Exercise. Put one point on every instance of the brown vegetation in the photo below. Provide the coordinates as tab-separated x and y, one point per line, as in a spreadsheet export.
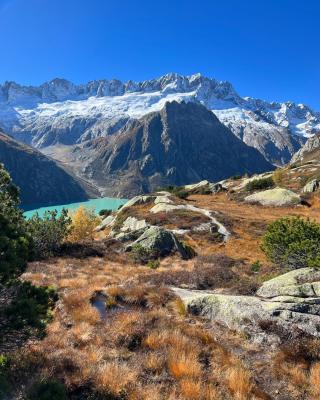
148	346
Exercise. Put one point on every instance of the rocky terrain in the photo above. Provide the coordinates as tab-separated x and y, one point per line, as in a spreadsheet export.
181	144
309	151
60	112
40	179
174	298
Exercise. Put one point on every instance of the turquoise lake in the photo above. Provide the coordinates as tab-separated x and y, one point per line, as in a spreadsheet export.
95	204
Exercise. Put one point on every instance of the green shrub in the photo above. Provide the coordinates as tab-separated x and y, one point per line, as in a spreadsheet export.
255	267
190	252
178	191
31	306
260	184
4	379
47	390
105	213
293	242
153	264
48	232
15	241
140	254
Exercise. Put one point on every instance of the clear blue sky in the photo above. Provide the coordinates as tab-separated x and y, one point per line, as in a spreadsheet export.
268	49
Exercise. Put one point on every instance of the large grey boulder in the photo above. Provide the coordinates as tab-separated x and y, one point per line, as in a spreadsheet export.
292	301
160	242
311	186
131	229
165	207
163	199
133	224
108	221
274	197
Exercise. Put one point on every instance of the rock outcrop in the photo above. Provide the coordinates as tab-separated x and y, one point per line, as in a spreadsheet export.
181	144
276	197
309	151
292	301
311	186
161	242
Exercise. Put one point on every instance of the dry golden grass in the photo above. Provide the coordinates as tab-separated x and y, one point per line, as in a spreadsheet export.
148	345
315	380
239	382
184	364
191	389
115	376
154	362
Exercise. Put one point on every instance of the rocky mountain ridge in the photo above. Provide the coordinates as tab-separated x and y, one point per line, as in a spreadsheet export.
183	143
41	180
62	112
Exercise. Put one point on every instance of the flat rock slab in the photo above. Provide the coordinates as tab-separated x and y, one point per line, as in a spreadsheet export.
245	312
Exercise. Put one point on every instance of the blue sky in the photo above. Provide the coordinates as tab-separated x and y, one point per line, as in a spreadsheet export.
267	49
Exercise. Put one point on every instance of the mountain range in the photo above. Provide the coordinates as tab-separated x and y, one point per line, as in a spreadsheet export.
128	138
60	112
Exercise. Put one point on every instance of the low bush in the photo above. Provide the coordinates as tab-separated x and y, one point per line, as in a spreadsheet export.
256	266
141	255
4	379
14	239
190	252
105	212
31	306
83	223
48	232
47	390
293	242
260	184
178	191
153	264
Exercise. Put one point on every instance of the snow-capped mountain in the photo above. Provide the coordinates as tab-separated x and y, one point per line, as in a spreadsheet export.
62	112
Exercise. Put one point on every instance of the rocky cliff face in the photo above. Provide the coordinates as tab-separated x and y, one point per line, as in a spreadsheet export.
183	143
40	179
62	112
310	151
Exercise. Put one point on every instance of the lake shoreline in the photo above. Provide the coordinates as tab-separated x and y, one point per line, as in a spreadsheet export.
97	204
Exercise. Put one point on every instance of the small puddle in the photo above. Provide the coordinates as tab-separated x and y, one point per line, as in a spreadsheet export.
99	303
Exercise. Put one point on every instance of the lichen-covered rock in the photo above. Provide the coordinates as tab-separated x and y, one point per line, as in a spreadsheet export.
200	187
303	282
130	236
133	224
138	200
291	300
311	186
161	242
165	207
163	199
218	187
245	312
275	197
108	221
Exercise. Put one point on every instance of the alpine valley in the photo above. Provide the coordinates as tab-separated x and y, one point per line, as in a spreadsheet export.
124	138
